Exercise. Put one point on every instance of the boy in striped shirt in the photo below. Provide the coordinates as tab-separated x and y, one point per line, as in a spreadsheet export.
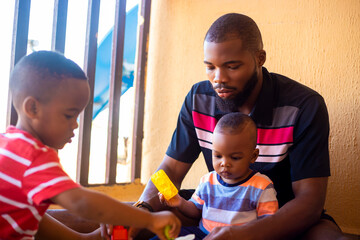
232	194
49	91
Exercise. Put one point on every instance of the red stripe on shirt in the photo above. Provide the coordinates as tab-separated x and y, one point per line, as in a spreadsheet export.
203	121
275	136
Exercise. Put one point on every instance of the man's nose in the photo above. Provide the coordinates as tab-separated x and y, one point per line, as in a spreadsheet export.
219	76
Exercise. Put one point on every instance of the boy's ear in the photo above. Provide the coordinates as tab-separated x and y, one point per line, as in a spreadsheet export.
31	107
255	155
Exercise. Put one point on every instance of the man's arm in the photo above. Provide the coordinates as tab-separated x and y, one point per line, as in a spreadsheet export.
293	218
176	171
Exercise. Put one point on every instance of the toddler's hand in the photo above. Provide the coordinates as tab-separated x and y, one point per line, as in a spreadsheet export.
161	220
172	202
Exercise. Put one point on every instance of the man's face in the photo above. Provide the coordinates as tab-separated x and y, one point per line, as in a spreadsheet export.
232	72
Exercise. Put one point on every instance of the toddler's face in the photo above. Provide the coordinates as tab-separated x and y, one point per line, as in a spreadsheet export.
232	155
57	118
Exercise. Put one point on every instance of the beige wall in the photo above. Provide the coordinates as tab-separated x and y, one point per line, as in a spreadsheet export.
314	42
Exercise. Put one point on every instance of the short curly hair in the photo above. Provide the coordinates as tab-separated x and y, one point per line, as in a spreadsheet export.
39	73
235	123
236	26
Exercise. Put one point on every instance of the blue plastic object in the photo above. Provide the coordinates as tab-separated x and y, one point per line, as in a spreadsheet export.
103	62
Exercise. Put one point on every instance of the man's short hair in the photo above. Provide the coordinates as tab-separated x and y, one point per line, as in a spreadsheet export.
236	26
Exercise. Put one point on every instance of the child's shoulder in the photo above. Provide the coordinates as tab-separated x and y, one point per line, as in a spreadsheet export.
21	143
208	177
260	180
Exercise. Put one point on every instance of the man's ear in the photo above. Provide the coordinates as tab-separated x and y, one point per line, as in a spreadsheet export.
31	107
261	57
255	155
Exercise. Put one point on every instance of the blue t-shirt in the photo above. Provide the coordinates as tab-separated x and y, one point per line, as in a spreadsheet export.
224	204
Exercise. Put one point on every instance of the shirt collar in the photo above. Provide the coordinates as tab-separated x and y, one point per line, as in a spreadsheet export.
263	110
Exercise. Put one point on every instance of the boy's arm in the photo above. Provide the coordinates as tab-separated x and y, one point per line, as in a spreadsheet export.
102	208
187	208
50	228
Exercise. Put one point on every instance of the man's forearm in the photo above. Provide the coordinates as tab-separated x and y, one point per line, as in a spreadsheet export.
150	196
291	220
176	171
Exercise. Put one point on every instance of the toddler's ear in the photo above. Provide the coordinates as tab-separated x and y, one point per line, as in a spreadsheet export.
30	107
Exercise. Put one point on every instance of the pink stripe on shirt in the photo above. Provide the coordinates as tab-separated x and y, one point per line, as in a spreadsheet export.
275	136
203	121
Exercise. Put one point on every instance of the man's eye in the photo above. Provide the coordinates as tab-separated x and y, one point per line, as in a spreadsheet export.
68	116
209	68
233	67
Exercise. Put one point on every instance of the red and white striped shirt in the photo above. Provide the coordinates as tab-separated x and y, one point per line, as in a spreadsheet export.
30	174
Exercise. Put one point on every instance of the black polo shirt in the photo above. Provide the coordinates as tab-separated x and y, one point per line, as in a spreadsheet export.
293	131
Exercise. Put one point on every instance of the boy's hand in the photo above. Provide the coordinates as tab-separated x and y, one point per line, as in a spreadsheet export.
172	202
161	220
106	231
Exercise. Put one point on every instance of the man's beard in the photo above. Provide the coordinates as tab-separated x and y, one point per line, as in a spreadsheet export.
232	105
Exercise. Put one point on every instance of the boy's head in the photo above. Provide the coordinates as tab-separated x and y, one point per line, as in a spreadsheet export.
234	147
49	91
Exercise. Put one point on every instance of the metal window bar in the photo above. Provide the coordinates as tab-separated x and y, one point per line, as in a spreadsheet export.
86	115
59	25
115	91
140	89
19	47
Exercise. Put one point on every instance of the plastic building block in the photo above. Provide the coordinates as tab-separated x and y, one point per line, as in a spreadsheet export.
163	183
166	231
119	233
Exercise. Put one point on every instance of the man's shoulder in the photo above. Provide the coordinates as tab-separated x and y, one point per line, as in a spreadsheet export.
289	92
289	86
202	87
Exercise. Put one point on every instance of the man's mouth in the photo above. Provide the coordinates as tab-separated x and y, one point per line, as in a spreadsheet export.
225	93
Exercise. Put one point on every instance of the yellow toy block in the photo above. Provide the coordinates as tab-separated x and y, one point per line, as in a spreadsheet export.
163	183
